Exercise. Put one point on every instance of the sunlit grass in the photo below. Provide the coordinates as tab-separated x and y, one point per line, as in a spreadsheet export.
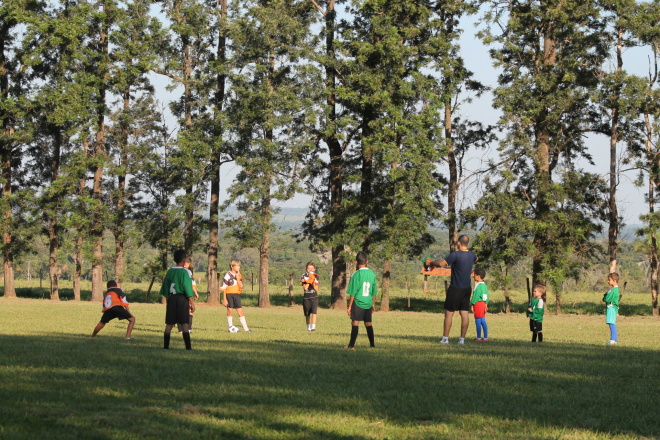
282	382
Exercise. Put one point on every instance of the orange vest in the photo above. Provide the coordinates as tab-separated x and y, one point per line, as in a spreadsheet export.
237	285
113	299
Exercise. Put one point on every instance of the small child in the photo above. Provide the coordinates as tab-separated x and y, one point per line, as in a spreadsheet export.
535	312
232	286
611	298
115	306
310	283
480	303
186	265
362	290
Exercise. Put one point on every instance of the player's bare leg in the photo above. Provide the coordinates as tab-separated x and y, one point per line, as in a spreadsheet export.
98	328
131	323
447	324
465	321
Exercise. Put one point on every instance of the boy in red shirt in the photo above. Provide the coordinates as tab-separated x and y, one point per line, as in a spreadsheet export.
480	303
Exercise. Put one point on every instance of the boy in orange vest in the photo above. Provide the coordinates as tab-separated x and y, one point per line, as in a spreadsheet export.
115	306
232	286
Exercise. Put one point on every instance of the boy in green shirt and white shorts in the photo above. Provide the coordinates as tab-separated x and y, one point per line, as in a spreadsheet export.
362	290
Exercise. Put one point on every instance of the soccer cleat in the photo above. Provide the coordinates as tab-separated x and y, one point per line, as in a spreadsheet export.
479	340
612	343
485	340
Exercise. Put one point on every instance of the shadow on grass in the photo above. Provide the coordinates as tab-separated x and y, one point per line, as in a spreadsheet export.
107	388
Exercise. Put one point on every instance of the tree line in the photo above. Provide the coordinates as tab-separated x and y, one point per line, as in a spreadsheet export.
359	107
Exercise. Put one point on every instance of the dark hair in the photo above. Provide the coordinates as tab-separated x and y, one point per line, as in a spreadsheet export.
464	240
480	272
179	255
111	283
361	259
310	263
614	276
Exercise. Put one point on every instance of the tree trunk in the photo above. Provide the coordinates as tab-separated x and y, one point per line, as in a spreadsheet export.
507	297
6	149
120	222
99	150
264	253
453	181
79	238
213	293
387	278
654	182
52	222
613	231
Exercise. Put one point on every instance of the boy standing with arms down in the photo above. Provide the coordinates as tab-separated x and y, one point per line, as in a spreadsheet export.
362	290
115	306
480	303
310	283
460	288
232	286
535	312
177	288
611	298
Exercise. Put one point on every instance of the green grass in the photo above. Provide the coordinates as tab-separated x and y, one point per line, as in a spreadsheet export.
282	382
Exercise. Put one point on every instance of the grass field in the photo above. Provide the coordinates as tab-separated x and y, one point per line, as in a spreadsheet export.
282	382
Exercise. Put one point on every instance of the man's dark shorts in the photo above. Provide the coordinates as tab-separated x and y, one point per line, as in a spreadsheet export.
458	299
115	312
310	303
535	326
234	301
360	314
178	309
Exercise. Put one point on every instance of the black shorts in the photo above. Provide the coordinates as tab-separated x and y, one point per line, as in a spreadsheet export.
115	312
178	309
458	299
360	314
234	301
310	305
535	326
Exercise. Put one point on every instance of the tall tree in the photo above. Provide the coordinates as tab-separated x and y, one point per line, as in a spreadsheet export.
132	58
14	131
270	115
550	53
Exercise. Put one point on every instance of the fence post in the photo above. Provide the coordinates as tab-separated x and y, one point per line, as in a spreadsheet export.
291	302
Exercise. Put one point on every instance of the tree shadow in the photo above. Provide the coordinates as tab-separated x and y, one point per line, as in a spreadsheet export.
108	388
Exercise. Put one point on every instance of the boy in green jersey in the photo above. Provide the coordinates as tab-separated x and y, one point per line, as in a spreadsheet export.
611	298
362	290
177	288
535	312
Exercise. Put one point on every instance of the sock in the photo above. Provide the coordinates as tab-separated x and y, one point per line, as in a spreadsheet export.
243	323
186	340
354	333
190	323
485	326
613	335
166	341
230	321
540	336
533	336
477	323
370	334
309	326
313	326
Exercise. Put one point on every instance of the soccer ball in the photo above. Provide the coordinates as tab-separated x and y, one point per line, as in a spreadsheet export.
233	329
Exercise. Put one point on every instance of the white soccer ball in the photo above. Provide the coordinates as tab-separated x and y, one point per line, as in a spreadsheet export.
233	329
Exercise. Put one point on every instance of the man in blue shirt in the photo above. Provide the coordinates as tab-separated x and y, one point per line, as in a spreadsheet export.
460	286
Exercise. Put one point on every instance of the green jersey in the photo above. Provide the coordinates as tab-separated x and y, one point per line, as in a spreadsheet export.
612	298
538	308
480	293
177	280
363	287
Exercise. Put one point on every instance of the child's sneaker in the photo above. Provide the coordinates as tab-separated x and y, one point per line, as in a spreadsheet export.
461	341
611	343
444	340
479	340
485	340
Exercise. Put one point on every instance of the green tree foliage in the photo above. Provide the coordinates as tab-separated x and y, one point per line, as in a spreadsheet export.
270	115
550	53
